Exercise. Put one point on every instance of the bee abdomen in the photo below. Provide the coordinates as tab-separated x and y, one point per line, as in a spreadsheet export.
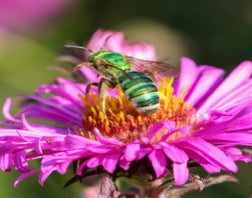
141	91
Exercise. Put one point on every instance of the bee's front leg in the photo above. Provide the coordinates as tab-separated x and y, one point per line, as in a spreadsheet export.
81	65
89	87
105	84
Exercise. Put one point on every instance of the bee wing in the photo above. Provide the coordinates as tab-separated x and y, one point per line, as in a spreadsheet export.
162	69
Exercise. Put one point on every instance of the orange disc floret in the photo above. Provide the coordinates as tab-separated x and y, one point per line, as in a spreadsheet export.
123	122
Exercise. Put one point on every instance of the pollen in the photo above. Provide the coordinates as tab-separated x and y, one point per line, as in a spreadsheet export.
122	121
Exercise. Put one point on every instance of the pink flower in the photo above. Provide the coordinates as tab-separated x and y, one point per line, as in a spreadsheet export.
203	118
20	14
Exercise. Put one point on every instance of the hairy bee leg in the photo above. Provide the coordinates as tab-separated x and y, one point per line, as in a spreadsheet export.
153	75
105	84
88	88
69	59
84	64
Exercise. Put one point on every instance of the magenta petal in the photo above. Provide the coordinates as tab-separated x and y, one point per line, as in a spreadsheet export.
131	151
98	39
238	76
70	91
26	124
47	167
236	96
241	158
24	176
80	168
90	74
76	141
210	153
99	149
158	162
94	162
143	152
64	110
102	139
37	146
20	162
62	168
65	89
6	111
188	74
208	79
6	161
233	151
169	125
181	173
50	113
175	154
117	43
46	170
123	163
208	167
237	155
43	176
203	163
110	161
229	137
15	132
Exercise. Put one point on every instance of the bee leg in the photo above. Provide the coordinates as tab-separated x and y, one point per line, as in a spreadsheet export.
105	84
88	88
84	64
151	75
69	59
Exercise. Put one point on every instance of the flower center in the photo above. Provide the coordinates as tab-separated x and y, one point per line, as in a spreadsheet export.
123	122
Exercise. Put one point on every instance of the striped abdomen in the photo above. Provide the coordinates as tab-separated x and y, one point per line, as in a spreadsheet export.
141	91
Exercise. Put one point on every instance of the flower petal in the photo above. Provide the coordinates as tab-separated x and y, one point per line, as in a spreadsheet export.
181	173
236	78
24	176
169	125
104	140
158	161
188	74
210	153
124	164
208	79
6	111
110	161
131	151
94	161
233	138
175	154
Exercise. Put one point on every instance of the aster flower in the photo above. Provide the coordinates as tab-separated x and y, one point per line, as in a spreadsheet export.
202	119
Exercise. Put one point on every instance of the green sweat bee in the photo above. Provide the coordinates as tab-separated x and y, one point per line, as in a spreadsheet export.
135	77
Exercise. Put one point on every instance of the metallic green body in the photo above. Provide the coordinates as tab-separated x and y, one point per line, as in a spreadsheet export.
141	91
103	60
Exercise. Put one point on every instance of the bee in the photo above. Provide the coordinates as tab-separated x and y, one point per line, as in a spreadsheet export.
136	77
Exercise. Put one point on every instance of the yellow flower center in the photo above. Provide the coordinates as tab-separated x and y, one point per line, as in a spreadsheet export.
123	122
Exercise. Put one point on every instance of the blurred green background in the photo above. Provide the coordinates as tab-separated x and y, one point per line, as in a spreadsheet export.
212	32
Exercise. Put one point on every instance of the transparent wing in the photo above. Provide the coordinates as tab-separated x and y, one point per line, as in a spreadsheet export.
160	68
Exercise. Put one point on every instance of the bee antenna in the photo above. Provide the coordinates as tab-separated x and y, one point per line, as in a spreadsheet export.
78	47
105	41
